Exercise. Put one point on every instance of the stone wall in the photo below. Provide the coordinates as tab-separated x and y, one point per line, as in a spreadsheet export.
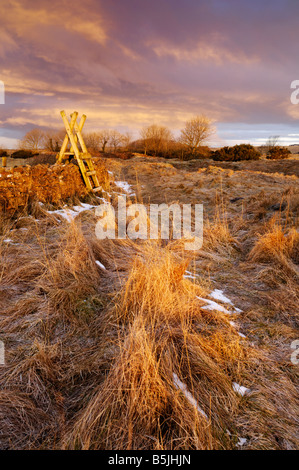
52	184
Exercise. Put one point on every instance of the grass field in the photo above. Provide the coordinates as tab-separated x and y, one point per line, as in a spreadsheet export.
121	344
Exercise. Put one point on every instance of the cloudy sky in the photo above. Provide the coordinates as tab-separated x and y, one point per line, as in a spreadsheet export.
130	63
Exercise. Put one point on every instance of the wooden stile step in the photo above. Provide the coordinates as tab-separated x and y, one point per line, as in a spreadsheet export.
78	148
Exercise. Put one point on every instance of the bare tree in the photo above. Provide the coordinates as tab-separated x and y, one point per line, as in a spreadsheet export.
271	143
33	140
155	138
53	140
195	132
93	141
104	138
116	140
126	140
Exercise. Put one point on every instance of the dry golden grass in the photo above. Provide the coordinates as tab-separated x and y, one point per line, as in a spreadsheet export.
277	245
161	332
94	356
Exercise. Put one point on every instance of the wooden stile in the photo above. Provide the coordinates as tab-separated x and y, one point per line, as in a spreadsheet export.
75	139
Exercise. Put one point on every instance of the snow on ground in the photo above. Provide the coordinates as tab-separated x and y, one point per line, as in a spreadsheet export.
125	186
241	334
241	442
211	305
234	325
8	240
100	264
69	213
240	389
183	387
217	294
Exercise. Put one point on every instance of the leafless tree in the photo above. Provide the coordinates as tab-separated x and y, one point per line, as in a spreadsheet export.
93	141
33	140
104	138
196	131
271	142
155	138
126	140
54	139
116	140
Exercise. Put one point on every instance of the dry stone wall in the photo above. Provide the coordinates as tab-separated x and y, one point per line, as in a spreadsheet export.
47	184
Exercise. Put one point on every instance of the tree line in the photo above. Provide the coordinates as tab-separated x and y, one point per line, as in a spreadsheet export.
154	139
158	140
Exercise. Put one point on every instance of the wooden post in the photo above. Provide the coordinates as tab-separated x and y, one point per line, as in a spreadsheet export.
4	159
66	139
80	127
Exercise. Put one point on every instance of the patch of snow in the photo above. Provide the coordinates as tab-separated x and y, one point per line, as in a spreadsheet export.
241	334
100	264
217	294
125	186
8	240
213	306
240	389
237	310
234	325
69	213
242	441
183	387
104	200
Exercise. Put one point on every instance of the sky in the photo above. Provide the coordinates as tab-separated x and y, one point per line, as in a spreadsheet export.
129	63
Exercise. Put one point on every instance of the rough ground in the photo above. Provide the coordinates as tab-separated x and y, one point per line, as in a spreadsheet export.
289	166
103	355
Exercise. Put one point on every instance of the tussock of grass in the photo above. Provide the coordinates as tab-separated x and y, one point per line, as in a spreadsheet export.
164	332
95	353
278	245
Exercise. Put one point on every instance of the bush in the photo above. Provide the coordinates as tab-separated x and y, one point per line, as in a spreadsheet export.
3	153
23	154
201	153
278	153
121	155
44	159
236	153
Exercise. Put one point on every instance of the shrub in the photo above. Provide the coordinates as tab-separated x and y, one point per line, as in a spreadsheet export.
278	153
236	153
223	154
23	154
